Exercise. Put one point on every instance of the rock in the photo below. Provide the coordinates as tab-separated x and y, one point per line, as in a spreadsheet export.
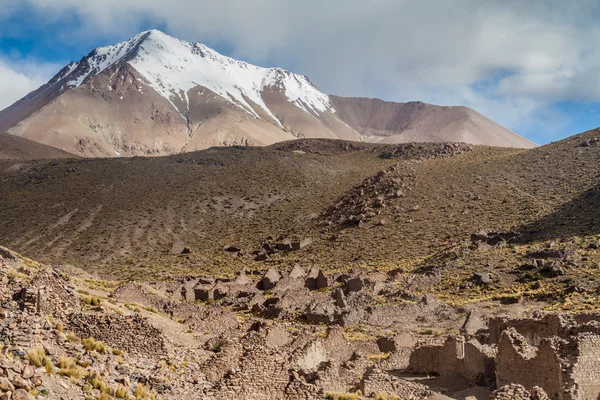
474	322
268	248
395	273
551	270
232	249
321	313
321	281
548	253
277	337
21	394
6	396
386	344
382	288
481	278
284	245
269	279
261	255
297	272
37	380
242	278
19	382
354	285
179	248
28	371
594	246
299	245
5	385
340	298
203	293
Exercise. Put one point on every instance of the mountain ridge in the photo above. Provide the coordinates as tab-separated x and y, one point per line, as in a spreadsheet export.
156	95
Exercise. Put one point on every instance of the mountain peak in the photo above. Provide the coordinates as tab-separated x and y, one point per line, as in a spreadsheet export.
156	94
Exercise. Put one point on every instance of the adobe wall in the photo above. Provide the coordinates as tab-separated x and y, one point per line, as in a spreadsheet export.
469	360
586	371
533	329
517	362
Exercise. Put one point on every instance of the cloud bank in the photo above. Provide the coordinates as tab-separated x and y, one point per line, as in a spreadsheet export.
510	60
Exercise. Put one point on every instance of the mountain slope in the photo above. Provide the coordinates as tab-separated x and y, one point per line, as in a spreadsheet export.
16	148
157	95
389	122
86	212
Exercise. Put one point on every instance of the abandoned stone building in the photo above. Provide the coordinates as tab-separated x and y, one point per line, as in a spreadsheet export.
558	353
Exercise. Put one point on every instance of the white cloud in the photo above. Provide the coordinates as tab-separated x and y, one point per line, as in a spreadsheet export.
506	59
21	77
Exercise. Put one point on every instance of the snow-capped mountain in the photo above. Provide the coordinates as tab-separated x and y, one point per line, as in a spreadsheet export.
155	94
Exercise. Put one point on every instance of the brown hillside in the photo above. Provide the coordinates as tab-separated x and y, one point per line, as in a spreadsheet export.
16	148
113	212
389	122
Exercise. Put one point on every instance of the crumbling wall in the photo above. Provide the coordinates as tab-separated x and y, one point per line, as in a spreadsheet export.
470	360
586	371
130	333
534	330
518	362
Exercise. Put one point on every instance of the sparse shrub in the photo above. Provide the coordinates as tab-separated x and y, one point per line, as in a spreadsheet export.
91	344
69	368
37	356
141	391
341	396
217	347
117	352
97	383
385	396
71	337
121	392
48	366
91	300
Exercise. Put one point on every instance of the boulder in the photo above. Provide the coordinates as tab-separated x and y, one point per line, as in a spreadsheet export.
552	269
321	312
5	384
300	244
340	298
21	394
354	285
311	278
297	272
270	279
261	255
203	292
321	281
284	245
242	278
395	273
481	278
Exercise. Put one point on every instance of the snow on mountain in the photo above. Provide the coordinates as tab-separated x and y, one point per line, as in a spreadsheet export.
173	67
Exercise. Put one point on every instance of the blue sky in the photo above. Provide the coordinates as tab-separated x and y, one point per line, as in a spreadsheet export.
530	66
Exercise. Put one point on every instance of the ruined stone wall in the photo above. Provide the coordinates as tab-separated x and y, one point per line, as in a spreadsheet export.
586	371
520	363
533	329
132	334
262	374
469	360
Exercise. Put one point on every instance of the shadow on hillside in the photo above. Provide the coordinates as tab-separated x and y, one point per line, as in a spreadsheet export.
579	217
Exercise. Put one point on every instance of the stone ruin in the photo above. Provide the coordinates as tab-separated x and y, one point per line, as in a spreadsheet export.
556	354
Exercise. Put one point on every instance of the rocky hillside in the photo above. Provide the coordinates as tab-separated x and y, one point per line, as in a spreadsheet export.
157	95
403	203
